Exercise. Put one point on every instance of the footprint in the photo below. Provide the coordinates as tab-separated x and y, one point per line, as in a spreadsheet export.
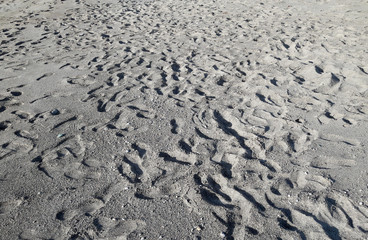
338	138
316	182
325	162
88	208
61	159
83	81
92	162
17	145
108	228
131	169
56	233
6	207
64	122
106	193
22	115
143	112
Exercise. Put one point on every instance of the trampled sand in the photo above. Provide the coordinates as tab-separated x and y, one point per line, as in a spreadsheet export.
189	119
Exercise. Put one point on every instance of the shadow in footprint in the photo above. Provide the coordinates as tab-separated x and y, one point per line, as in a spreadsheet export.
134	168
168	158
4	125
16	93
230	224
175	126
142	196
251	230
285	225
175	67
141	151
217	189
212	199
250	198
185	147
227	128
330	231
318	70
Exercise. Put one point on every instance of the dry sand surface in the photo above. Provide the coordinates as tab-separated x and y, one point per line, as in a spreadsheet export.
183	119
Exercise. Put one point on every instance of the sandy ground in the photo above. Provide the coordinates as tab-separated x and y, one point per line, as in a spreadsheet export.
193	119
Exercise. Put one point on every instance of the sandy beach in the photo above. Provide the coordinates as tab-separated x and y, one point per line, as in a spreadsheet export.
153	119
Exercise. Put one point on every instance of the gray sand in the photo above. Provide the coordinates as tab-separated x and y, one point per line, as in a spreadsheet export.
193	119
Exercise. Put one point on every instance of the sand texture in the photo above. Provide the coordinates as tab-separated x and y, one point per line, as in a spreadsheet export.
183	119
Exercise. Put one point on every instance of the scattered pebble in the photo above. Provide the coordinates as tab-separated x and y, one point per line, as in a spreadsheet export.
55	112
60	135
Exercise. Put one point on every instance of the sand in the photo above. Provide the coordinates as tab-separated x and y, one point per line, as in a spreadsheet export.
192	119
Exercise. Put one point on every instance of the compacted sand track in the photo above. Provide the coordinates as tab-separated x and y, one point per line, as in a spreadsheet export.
183	119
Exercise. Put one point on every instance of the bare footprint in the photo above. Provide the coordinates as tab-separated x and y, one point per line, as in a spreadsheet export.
6	207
